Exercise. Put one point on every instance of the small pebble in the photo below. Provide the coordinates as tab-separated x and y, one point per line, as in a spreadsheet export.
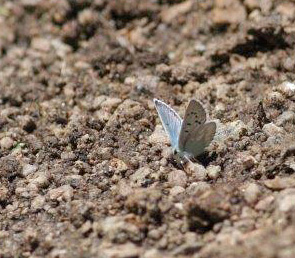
247	160
285	201
176	190
213	171
159	136
146	83
40	180
111	103
274	98
197	188
271	129
87	17
86	227
265	203
3	193
233	130
118	165
124	188
287	89
197	171
140	175
6	143
38	203
286	117
177	178
279	183
28	169
62	193
41	44
171	13
252	193
127	250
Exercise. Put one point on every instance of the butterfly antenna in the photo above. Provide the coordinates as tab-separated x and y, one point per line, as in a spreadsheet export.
189	160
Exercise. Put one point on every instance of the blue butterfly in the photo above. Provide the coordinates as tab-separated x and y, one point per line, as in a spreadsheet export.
189	137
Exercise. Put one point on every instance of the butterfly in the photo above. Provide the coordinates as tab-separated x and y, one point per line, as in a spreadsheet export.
188	137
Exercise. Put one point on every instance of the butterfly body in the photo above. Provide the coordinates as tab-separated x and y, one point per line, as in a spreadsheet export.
189	137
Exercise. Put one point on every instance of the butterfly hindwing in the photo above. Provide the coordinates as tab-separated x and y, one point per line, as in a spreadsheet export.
195	115
199	138
170	121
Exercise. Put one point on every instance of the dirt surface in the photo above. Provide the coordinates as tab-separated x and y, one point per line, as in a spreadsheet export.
85	167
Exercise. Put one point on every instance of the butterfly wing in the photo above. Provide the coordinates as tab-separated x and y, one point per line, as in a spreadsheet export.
171	121
195	115
199	138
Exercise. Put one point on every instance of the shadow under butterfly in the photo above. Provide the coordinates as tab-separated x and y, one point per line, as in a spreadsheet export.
188	137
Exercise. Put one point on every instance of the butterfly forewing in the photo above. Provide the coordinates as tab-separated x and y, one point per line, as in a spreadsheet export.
170	120
199	138
195	115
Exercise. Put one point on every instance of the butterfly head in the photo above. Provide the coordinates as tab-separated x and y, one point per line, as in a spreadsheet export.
179	157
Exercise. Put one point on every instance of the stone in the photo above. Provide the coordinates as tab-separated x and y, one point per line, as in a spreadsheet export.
286	117
188	248
61	48
9	165
104	153
38	203
111	103
176	190
86	227
29	169
213	172
117	229
41	44
271	129
287	89
279	183
285	201
146	83
74	180
232	14
39	180
246	160
159	136
222	91
6	143
3	193
251	193
62	193
118	165
30	3
287	10
265	204
124	188
140	175
197	188
127	250
252	4
152	253
177	178
198	171
87	17
233	130
274	98
170	14
97	102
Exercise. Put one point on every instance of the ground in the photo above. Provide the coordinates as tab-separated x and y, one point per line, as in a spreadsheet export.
85	166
